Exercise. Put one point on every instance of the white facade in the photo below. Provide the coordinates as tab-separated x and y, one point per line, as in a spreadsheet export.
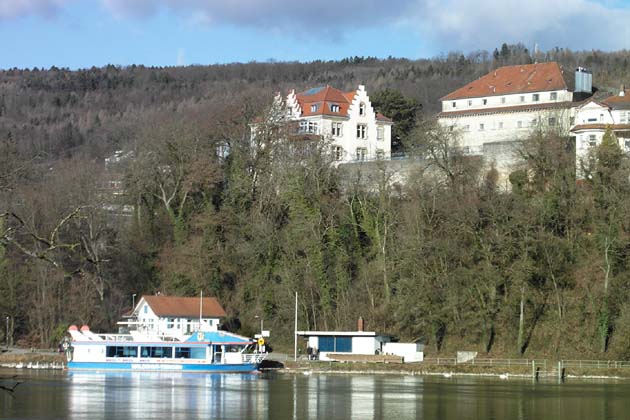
354	342
410	352
345	120
592	120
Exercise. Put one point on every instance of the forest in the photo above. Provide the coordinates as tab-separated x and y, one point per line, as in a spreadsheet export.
447	257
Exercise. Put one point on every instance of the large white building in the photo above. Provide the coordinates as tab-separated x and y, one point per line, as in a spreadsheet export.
346	121
493	113
593	118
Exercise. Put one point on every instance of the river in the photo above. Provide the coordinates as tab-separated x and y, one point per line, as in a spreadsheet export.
63	395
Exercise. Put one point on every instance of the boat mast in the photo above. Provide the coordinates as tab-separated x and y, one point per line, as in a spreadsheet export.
200	309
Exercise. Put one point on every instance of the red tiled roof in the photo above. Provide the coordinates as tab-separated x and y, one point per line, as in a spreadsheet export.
617	101
381	117
507	109
323	98
508	80
184	307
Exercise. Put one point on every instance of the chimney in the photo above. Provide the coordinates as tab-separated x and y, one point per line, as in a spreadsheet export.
360	324
622	91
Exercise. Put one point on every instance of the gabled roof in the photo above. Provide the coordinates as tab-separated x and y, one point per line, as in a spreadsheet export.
323	98
184	307
525	78
618	101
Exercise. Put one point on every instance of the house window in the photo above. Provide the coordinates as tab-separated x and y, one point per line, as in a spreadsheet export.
500	125
626	144
361	153
469	102
535	97
552	121
314	107
592	140
522	98
362	109
454	104
503	100
337	152
553	96
380	154
146	309
592	120
362	131
601	117
466	127
622	117
335	344
309	127
336	129
171	323
481	127
519	124
334	108
380	133
485	102
571	120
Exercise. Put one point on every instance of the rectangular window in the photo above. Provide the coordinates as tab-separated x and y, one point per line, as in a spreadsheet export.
361	153
626	144
380	133
380	154
361	109
157	352
336	129
552	121
470	103
592	140
314	107
500	125
337	152
481	127
622	117
122	351
334	108
485	102
519	124
335	344
592	120
362	131
466	127
454	104
182	352
535	97
522	98
503	100
553	96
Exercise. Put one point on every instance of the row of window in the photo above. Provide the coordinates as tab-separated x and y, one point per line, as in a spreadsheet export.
157	352
336	108
335	344
551	121
553	96
361	153
336	129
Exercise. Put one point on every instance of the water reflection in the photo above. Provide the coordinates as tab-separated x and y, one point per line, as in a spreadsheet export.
146	395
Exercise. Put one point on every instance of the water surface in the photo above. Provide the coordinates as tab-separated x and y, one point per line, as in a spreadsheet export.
147	395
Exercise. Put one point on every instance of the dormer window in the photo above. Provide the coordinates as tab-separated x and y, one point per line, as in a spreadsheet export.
553	96
535	97
314	107
503	100
522	98
334	108
469	102
361	109
454	104
485	102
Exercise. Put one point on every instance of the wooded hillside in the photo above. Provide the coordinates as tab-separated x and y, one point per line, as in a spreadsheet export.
452	259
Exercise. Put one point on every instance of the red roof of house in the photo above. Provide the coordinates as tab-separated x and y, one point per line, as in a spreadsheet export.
614	127
184	307
617	101
525	78
323	98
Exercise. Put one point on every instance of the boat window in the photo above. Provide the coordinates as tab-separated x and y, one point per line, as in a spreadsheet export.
157	352
122	351
198	353
182	352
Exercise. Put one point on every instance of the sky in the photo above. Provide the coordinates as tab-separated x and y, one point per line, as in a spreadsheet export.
86	33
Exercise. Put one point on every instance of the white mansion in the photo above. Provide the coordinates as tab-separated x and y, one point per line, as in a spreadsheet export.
346	120
493	113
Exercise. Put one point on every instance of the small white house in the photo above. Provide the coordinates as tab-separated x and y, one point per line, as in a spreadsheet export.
351	342
175	316
410	352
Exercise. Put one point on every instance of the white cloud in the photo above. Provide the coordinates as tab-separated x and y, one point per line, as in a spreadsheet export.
10	9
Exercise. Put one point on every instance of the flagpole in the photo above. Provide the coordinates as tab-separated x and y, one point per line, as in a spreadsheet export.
200	310
296	329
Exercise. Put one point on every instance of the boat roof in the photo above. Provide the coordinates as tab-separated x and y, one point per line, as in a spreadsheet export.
222	337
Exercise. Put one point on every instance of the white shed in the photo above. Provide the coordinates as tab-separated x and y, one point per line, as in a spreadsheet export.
351	342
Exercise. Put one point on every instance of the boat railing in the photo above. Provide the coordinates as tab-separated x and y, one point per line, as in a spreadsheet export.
116	337
254	357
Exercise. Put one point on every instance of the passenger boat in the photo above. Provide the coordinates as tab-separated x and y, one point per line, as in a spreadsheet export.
202	352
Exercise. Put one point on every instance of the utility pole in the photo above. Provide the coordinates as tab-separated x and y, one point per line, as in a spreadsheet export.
8	332
296	329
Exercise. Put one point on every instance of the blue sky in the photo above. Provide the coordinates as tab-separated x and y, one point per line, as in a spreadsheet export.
83	33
